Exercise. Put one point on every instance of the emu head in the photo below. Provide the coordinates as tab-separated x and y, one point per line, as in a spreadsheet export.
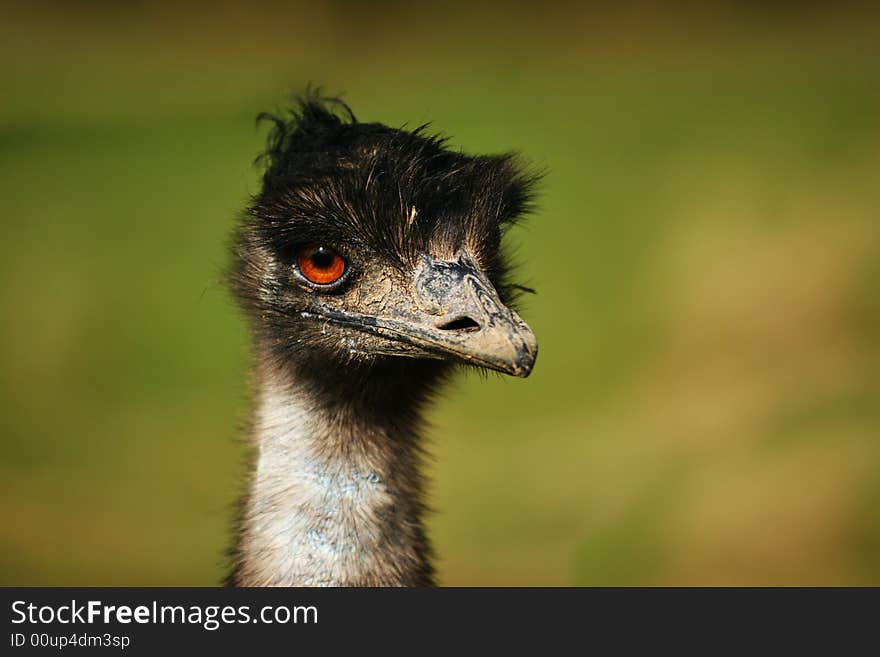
367	244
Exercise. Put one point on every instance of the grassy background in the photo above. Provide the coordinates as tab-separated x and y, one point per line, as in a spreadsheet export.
706	406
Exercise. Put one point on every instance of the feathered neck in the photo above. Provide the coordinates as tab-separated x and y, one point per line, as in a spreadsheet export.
335	497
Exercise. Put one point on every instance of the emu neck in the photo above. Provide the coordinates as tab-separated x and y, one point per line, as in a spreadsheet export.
335	498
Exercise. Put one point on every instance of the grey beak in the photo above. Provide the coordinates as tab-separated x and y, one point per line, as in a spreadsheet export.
464	317
454	311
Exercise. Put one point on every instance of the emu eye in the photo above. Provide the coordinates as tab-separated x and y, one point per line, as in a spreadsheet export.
320	265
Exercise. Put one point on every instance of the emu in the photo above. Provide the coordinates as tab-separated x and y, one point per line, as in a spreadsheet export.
368	265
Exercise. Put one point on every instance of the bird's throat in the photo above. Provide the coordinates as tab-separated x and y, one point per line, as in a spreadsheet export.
335	495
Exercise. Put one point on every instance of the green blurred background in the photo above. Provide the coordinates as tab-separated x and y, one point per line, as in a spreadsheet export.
706	406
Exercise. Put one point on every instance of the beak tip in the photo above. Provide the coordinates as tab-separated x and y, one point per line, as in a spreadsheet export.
525	363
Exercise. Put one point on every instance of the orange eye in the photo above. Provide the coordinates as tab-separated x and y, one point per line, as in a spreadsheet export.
320	265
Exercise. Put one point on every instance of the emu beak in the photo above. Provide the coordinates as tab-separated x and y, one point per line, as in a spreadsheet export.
454	311
462	316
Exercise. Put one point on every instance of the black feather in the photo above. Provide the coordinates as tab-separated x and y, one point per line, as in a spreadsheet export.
327	173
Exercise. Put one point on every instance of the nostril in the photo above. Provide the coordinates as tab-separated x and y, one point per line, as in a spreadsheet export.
463	323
